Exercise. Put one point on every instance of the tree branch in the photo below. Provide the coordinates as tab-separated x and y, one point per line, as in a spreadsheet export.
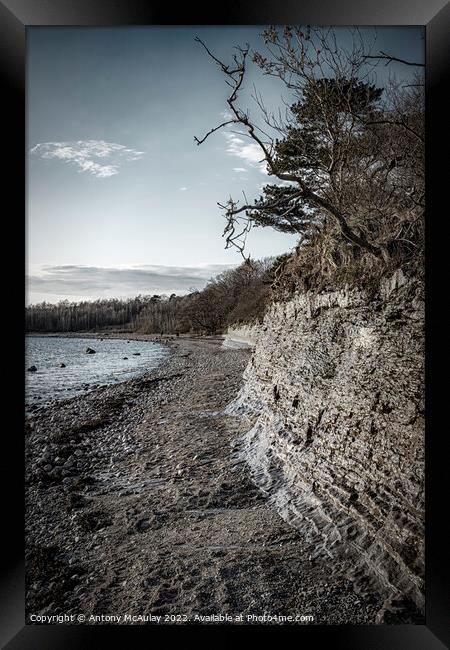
389	59
216	128
397	123
237	77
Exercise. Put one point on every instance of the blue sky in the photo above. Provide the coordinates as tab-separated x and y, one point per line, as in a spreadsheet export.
120	200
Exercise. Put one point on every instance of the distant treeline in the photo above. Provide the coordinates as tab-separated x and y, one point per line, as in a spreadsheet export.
237	295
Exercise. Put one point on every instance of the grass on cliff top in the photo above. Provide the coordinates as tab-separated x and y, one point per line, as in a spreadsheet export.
329	263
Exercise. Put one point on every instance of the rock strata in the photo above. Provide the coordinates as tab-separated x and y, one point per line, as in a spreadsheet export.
334	393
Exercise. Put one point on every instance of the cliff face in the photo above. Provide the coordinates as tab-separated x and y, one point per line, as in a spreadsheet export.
334	392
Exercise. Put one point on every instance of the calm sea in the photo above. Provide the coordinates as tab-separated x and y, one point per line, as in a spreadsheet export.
83	371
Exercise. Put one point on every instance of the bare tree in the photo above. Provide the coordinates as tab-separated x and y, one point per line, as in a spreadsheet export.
329	149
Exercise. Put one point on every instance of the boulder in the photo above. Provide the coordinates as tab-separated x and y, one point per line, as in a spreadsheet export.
62	365
32	369
89	351
136	354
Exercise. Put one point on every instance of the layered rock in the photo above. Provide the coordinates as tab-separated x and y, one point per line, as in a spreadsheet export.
335	392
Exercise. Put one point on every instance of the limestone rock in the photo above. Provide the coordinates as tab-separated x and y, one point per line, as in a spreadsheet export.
335	387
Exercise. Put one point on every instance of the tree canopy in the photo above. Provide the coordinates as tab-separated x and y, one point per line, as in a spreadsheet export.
346	156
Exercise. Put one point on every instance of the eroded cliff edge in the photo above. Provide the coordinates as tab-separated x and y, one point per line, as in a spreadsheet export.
334	392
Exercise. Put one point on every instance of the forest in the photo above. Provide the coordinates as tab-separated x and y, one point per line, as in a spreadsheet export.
236	295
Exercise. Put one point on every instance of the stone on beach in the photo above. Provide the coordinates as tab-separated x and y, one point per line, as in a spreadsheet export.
150	466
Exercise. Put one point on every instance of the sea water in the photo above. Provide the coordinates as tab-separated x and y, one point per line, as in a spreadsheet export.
114	360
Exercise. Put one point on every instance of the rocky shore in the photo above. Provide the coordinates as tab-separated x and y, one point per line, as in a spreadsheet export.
337	380
139	505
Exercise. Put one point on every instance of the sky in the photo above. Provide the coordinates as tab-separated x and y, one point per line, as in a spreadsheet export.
120	199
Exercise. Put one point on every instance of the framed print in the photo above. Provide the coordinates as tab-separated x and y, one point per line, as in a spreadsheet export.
227	417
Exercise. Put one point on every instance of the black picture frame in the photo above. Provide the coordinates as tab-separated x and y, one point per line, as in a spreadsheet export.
15	17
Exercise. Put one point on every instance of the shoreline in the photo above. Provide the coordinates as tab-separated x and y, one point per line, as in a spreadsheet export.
33	407
137	502
132	336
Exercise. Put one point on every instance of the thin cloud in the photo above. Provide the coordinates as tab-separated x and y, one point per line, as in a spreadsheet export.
108	282
239	170
183	189
246	150
99	158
